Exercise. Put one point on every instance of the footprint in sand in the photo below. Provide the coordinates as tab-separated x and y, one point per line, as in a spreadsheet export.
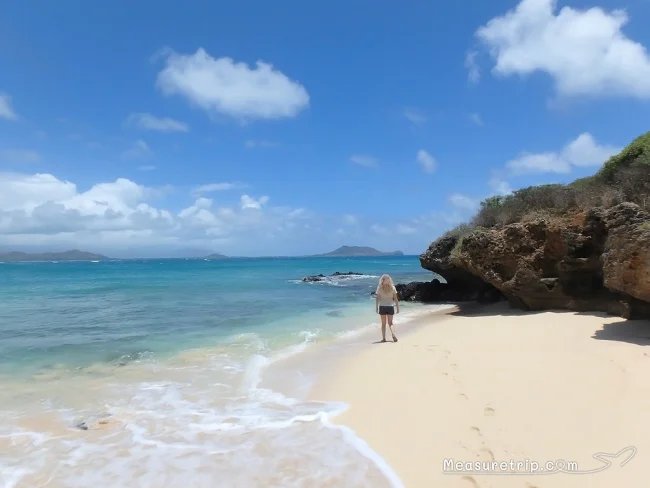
476	430
486	454
463	396
488	411
470	482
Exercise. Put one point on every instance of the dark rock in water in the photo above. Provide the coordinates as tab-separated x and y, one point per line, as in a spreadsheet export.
322	277
434	292
319	277
593	261
97	422
334	313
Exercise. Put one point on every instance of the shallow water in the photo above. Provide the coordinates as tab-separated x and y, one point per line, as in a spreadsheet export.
148	373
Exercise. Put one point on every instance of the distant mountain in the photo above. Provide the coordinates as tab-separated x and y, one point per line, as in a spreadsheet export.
359	251
216	256
73	255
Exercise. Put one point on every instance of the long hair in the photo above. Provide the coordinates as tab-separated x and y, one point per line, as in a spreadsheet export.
385	282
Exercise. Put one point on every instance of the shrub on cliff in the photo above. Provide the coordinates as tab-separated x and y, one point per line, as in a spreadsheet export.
623	178
501	210
636	155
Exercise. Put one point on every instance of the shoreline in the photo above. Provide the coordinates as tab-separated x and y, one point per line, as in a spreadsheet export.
488	383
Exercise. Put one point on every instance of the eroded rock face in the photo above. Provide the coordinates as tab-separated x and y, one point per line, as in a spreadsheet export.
594	261
461	284
626	257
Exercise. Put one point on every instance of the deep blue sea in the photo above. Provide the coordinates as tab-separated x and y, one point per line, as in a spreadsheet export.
149	373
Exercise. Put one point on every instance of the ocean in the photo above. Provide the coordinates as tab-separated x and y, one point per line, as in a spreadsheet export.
150	373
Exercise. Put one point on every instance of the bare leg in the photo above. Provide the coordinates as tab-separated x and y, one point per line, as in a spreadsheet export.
383	328
390	325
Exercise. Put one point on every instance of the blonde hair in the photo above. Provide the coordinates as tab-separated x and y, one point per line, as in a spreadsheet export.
386	282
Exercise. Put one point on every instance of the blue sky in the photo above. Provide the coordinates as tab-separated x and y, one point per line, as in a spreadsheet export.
257	128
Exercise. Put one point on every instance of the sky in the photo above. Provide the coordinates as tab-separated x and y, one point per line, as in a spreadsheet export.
258	128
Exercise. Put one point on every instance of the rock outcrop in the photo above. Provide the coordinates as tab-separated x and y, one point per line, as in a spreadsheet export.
461	284
337	274
435	291
598	260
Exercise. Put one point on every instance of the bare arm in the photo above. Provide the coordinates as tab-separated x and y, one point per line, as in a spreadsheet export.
376	302
396	300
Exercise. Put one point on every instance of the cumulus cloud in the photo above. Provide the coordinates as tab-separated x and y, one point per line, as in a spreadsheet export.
364	160
582	151
6	111
147	121
41	209
248	202
426	161
226	87
585	51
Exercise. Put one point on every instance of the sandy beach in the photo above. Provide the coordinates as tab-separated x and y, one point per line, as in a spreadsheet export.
494	384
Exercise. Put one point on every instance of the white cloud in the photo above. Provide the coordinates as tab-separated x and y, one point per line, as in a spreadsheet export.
223	86
139	150
161	124
473	70
213	187
42	210
499	186
463	202
415	116
364	160
476	119
584	51
6	111
405	229
426	161
259	143
350	219
582	151
19	156
248	202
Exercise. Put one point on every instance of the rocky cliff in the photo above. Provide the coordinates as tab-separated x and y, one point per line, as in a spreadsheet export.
576	247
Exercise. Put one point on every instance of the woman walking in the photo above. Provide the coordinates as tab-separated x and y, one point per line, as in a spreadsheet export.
387	304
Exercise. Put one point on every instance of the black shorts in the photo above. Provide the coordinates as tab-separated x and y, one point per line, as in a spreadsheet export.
386	310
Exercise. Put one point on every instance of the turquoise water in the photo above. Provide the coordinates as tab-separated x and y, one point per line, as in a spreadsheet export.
75	313
152	372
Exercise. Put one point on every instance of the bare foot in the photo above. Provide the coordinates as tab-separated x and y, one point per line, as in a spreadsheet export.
394	339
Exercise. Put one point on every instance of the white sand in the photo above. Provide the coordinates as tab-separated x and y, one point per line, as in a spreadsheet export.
502	386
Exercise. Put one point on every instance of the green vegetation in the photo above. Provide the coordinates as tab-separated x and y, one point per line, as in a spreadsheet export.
624	177
636	154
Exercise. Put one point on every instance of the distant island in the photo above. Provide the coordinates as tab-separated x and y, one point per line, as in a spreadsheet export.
73	255
349	251
215	257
